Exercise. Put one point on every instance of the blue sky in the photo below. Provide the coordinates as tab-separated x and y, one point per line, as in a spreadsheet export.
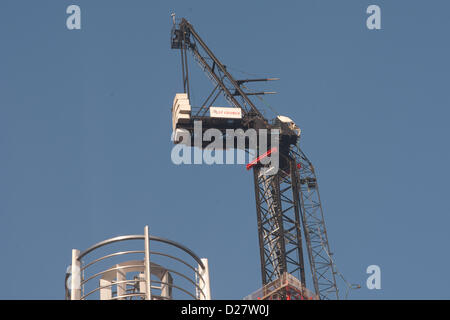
85	130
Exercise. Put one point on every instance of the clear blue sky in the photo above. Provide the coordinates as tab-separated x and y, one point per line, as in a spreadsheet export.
85	130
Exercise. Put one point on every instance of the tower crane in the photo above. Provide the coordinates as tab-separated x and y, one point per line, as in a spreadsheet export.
288	206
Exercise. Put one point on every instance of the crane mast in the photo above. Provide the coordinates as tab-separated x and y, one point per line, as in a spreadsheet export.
288	207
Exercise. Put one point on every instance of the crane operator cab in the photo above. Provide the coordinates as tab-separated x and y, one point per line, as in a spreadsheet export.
289	131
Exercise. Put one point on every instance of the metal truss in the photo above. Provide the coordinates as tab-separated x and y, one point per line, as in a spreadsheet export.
184	37
282	200
278	208
319	254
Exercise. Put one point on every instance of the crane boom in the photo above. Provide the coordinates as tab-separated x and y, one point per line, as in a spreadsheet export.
181	39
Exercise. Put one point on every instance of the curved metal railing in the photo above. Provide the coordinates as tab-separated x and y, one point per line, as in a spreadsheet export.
98	273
